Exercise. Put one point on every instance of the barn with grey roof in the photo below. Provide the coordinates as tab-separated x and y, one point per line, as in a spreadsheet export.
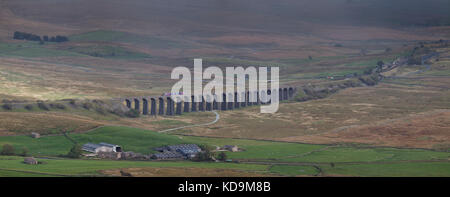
177	151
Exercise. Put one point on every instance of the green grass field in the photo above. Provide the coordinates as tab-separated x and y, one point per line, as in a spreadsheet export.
265	153
130	139
72	167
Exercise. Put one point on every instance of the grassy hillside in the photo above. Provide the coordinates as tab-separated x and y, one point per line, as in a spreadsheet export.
23	123
124	37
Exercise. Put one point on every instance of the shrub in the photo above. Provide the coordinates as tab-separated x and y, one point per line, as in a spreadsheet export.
205	155
380	63
98	101
26	36
133	113
222	156
100	110
72	102
368	71
7	106
43	106
414	61
58	106
29	107
87	105
118	112
369	80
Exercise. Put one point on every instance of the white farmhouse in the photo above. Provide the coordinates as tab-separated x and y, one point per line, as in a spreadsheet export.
101	147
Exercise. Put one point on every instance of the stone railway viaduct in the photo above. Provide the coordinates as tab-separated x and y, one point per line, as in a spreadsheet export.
153	106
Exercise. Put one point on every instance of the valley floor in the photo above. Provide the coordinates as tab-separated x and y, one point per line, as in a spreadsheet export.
260	158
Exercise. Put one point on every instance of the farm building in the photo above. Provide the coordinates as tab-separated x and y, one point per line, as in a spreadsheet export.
167	156
175	151
30	160
101	147
187	150
35	135
231	148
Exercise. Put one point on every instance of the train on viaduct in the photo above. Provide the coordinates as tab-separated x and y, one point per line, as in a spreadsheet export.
154	106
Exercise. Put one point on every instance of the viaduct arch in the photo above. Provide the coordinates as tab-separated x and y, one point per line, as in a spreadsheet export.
165	106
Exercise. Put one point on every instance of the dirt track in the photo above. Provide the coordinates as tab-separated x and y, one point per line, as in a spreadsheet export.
195	125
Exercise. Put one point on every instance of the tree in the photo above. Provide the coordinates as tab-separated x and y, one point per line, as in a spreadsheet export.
88	105
7	106
17	36
368	71
7	150
75	151
29	107
222	156
42	106
380	63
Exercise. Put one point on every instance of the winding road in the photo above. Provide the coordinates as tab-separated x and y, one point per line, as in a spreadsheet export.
195	125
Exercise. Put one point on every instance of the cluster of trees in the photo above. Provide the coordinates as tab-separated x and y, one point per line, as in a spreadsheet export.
207	154
57	38
8	149
26	36
32	37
